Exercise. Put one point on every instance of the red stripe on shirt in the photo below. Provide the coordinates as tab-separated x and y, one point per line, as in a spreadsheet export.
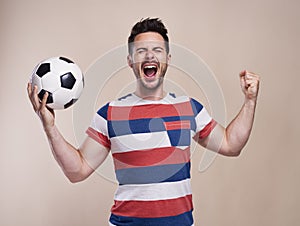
99	137
151	157
153	209
183	124
207	129
149	111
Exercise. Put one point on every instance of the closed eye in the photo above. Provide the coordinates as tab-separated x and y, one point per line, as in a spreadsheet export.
141	50
158	49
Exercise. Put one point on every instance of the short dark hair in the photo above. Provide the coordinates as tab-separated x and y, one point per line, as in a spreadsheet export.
146	25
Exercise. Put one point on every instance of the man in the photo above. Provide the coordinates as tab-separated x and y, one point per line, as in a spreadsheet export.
149	133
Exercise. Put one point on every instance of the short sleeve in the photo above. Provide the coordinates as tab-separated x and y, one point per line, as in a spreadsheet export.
98	127
204	122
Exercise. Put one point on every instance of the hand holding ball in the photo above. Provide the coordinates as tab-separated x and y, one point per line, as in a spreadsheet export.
61	78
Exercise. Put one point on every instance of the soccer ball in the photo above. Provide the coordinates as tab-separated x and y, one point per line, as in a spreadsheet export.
61	78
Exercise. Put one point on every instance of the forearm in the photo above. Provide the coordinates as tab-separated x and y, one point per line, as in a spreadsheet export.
238	131
67	156
230	141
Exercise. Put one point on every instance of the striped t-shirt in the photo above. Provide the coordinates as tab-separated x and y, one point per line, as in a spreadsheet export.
150	144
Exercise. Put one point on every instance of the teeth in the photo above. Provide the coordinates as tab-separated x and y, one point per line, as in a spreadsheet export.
150	67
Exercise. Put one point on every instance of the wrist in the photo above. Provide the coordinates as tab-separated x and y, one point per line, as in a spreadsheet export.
250	102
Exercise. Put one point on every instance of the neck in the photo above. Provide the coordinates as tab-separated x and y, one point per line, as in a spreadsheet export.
149	94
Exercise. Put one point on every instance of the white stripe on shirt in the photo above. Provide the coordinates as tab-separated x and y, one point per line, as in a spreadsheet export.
152	192
139	141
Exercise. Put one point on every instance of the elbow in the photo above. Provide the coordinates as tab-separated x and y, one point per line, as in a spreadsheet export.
75	177
78	175
229	152
234	153
74	180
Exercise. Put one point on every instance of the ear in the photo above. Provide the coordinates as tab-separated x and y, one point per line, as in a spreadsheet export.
129	61
168	58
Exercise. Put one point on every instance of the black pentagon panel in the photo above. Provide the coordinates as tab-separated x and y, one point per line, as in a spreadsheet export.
70	103
67	80
82	80
43	69
41	95
67	60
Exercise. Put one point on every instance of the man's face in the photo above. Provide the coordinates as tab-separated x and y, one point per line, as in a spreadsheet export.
149	59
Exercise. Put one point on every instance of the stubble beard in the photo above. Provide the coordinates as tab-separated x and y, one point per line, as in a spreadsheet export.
154	85
151	87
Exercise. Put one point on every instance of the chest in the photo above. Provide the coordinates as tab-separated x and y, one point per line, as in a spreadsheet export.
150	126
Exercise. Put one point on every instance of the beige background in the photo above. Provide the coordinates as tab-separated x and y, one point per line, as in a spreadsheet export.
261	187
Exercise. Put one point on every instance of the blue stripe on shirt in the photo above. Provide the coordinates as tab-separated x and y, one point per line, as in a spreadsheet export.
154	174
196	106
185	219
126	127
103	111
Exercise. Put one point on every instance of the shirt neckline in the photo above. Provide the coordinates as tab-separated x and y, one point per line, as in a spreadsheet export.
163	100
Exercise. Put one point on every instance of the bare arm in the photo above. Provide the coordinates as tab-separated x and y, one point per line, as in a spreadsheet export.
230	141
77	164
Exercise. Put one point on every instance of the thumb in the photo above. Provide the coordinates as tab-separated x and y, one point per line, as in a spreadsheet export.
243	73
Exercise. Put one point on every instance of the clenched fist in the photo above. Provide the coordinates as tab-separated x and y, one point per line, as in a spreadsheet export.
249	84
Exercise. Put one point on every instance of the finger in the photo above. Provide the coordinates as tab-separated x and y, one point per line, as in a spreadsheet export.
252	79
30	95
245	77
251	75
248	73
252	84
34	95
35	99
44	101
243	81
29	89
249	80
249	83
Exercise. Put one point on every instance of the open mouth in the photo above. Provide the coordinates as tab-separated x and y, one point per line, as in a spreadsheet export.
150	69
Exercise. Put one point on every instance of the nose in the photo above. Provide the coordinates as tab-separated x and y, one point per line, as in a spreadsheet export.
149	55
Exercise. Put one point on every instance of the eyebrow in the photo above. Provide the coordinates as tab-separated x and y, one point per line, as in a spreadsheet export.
154	48
141	48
